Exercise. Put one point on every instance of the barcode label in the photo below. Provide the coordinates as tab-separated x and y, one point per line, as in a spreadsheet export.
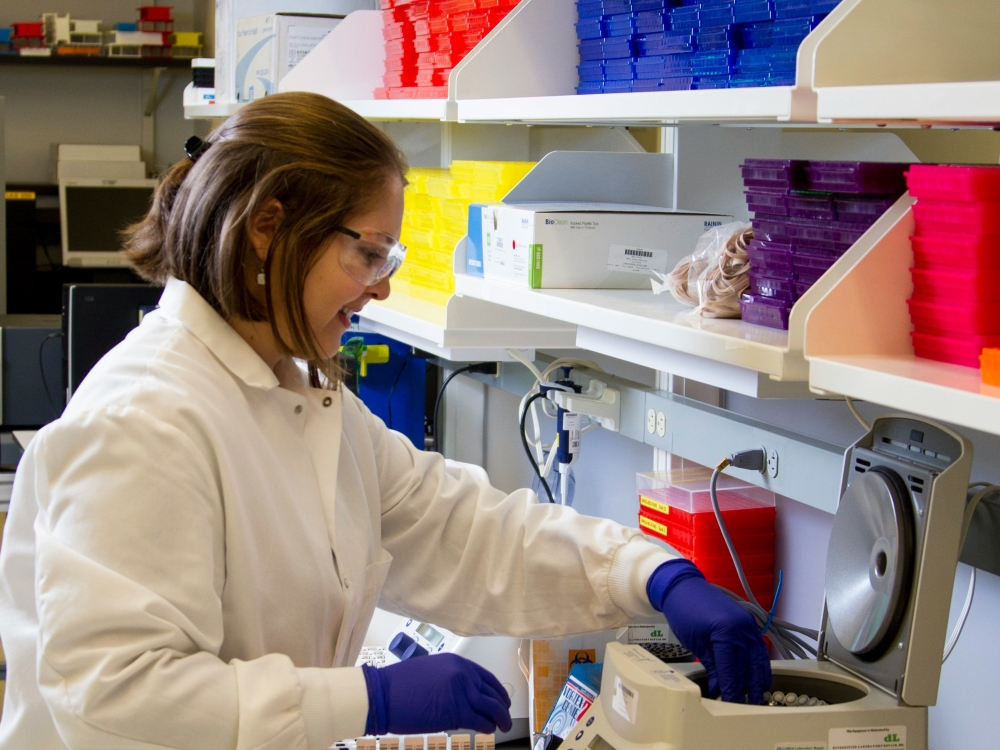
636	259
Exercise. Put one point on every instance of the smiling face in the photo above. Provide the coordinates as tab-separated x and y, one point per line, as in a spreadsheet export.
331	295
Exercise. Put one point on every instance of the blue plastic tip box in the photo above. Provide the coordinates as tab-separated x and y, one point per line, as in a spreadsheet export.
710	82
617	48
591	71
619	70
591	49
759	10
792	8
667	43
617	87
591	29
639	6
685	17
596	8
590	87
620	25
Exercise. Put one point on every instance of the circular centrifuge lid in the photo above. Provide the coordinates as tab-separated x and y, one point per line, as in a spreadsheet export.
869	565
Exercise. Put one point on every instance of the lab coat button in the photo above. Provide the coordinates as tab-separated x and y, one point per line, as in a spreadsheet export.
298	409
327	401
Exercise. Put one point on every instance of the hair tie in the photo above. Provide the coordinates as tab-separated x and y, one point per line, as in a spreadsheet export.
194	147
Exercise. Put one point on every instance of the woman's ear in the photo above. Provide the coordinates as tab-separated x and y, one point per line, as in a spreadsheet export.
262	226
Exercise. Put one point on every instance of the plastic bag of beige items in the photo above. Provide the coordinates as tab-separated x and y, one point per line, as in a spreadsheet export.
714	276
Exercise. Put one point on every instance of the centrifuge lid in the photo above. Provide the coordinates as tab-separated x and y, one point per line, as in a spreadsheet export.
870	563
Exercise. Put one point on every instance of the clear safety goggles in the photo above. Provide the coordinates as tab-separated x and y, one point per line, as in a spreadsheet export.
369	256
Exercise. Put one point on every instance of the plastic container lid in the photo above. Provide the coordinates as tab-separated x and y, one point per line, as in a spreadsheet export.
773	285
774	203
962	285
955	216
764	311
687	489
861	208
857	177
959	250
812	262
953	319
811	206
787	173
964	351
949	182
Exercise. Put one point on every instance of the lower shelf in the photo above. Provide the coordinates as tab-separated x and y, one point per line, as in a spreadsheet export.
464	329
950	393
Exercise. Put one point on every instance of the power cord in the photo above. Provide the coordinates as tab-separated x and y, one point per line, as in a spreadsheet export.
783	634
524	441
857	415
395	382
41	370
486	368
983	492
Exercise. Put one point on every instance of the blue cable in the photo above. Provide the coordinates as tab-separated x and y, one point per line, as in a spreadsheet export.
774	605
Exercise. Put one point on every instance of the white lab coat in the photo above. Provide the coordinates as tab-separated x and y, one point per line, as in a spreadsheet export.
166	576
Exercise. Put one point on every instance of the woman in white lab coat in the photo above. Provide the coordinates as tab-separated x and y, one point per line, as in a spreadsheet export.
195	548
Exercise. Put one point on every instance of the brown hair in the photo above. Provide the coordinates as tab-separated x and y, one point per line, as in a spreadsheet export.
322	162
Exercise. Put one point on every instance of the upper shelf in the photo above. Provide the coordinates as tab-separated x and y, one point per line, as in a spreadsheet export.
93	61
880	61
961	103
858	344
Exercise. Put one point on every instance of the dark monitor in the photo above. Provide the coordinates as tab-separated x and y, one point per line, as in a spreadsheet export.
93	213
96	317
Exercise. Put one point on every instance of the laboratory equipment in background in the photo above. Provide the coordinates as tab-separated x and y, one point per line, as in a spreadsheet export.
31	369
890	568
94	162
806	215
499	654
94	212
230	13
201	90
582	245
956	274
96	317
269	46
391	379
652	45
675	506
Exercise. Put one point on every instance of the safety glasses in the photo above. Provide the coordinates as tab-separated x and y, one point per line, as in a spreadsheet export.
369	256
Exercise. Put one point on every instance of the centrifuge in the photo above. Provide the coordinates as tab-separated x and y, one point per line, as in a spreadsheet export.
890	569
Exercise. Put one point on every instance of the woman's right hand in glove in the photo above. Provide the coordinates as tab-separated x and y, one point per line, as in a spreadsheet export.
435	693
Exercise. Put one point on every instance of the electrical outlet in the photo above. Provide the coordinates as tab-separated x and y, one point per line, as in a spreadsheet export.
772	463
651	421
661	424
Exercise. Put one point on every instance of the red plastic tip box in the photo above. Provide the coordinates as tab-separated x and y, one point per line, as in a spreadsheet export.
30	29
952	182
676	507
155	12
990	361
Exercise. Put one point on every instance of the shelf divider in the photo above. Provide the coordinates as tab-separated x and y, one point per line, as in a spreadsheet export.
858	343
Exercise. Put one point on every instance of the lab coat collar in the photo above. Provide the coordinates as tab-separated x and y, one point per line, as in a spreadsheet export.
181	301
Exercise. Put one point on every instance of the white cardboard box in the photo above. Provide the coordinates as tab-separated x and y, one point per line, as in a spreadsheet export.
586	245
84	152
121	170
267	47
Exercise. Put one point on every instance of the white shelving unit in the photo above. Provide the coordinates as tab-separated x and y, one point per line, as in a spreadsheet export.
858	343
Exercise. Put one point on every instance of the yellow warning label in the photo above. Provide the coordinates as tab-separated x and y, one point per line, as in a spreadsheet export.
648	502
19	195
659	528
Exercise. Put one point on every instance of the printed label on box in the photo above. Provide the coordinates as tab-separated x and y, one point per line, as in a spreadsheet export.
800	746
301	40
636	259
625	701
868	738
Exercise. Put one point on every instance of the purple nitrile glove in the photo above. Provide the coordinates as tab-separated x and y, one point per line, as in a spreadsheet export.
435	694
716	629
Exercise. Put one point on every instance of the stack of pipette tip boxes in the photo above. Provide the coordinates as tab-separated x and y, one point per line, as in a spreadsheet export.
676	507
425	39
436	216
956	271
666	45
806	215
